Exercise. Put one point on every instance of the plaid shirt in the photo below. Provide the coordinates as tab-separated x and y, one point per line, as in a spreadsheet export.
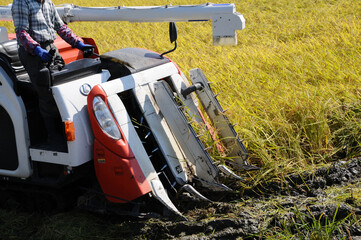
37	22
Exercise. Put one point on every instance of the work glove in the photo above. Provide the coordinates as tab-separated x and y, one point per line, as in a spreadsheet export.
43	54
82	46
87	49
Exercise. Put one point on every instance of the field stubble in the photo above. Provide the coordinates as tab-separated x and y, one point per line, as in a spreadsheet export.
291	84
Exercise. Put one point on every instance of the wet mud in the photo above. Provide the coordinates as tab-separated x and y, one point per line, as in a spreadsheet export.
324	196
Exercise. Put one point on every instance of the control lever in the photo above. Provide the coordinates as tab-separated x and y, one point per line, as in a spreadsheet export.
46	73
52	53
89	52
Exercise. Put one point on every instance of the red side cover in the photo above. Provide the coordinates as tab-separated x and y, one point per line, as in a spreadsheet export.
116	168
120	178
68	53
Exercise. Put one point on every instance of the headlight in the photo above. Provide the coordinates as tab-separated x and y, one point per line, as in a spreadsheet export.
105	118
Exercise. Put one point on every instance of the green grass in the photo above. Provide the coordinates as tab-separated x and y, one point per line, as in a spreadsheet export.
307	226
292	84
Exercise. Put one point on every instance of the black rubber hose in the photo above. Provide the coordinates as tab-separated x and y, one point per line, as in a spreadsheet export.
189	90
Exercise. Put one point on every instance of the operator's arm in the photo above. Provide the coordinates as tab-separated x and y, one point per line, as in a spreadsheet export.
20	14
67	34
63	30
75	41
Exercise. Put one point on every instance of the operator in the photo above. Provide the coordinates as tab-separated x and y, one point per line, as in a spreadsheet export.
36	24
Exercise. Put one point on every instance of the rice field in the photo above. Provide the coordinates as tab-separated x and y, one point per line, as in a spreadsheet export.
291	84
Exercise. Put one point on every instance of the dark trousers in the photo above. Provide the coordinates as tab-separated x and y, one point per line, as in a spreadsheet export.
48	110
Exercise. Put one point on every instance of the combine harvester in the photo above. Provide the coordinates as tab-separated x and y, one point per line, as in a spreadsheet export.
129	146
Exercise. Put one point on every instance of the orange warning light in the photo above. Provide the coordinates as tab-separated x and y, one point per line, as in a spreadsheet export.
69	131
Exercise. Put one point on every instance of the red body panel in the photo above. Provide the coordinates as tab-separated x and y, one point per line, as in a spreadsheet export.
68	53
119	147
117	170
118	177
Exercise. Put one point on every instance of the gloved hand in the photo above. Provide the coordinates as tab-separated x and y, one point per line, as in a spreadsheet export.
87	49
82	46
43	54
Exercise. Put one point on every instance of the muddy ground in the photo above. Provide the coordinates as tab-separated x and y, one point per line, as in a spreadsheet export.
304	205
324	196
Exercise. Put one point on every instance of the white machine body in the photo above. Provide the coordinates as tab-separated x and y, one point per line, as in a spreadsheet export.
140	95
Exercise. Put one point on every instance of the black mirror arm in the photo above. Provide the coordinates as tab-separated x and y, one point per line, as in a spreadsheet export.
173	37
175	47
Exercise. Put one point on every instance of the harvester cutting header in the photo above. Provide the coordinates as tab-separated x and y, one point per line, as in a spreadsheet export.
127	119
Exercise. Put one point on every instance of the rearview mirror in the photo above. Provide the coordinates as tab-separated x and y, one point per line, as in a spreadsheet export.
173	32
173	37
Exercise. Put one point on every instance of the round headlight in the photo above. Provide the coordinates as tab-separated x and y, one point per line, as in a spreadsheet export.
105	118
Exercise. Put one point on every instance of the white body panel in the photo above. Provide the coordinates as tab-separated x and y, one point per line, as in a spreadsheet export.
15	107
139	79
72	106
3	34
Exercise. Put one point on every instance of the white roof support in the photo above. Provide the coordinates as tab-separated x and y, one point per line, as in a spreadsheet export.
225	20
